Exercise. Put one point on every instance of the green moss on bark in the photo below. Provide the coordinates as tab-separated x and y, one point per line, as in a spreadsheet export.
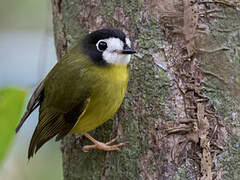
147	104
145	100
221	65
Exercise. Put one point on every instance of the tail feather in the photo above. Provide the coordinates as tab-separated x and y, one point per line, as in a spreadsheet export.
44	133
33	103
25	116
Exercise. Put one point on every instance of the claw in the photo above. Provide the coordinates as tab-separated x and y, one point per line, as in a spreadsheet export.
102	146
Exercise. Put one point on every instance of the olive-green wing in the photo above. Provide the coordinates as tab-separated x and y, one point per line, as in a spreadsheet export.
54	123
62	97
65	96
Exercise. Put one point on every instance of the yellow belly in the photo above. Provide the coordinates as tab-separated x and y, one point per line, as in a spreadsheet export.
106	97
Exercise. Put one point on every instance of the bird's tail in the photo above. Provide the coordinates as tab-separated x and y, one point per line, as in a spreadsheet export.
33	103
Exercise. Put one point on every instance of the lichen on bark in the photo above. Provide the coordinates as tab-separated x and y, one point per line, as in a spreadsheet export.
221	64
182	104
135	122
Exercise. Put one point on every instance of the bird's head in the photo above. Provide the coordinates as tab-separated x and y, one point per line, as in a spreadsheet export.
108	46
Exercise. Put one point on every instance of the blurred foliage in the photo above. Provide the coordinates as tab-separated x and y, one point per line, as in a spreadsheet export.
11	104
24	14
16	19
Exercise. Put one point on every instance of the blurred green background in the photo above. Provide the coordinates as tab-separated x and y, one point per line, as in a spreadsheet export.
27	53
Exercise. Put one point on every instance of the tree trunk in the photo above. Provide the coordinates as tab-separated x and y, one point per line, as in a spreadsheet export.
181	114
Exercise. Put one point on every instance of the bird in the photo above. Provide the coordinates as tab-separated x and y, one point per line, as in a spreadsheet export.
82	91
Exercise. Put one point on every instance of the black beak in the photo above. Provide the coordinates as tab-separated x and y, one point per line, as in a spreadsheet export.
128	50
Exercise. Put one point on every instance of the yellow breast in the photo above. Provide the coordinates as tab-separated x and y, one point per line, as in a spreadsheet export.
106	96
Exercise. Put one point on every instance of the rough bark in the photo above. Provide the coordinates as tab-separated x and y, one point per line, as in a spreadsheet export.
181	114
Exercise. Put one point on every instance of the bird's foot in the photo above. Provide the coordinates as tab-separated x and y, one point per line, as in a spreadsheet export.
102	146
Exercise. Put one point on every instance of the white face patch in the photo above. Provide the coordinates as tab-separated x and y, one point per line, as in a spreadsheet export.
113	53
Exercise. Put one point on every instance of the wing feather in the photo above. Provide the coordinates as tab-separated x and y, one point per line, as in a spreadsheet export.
62	100
33	103
52	124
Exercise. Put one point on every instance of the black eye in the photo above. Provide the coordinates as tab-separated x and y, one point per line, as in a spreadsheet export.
101	46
